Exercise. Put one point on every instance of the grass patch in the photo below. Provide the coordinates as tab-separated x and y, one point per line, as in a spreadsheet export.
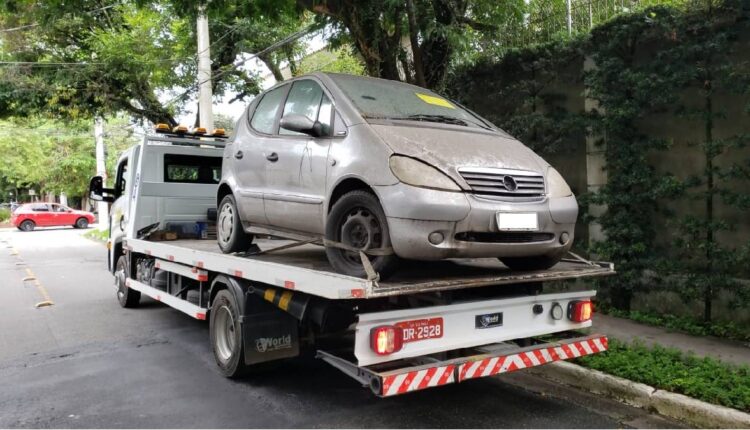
97	235
669	369
4	215
728	330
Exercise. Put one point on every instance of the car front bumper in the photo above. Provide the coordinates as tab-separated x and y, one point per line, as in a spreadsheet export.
468	224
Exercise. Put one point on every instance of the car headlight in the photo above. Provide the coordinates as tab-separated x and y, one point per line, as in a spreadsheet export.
414	172
556	185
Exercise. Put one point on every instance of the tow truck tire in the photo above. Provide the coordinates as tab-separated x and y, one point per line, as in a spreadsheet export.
226	335
128	297
27	225
230	234
357	219
542	262
81	223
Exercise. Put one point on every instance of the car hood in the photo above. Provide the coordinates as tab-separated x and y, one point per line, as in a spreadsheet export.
449	148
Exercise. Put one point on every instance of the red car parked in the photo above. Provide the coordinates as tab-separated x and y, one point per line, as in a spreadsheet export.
31	215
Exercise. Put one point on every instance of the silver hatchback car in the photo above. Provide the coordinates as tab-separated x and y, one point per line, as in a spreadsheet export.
391	168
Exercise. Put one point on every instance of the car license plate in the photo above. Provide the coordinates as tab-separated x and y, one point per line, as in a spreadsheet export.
416	330
517	221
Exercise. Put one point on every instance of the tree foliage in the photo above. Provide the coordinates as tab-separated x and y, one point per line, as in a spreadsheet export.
413	40
54	157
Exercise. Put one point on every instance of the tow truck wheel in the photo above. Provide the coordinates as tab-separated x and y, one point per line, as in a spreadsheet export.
230	234
127	297
226	335
27	225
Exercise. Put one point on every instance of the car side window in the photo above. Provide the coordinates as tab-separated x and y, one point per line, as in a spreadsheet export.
264	117
40	207
305	98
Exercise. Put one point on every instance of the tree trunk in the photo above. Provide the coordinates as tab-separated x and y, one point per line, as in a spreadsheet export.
710	153
273	67
416	51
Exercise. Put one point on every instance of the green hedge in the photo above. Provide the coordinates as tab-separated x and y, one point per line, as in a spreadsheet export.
4	215
705	379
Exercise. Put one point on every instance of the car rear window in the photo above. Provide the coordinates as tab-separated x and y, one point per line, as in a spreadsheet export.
192	169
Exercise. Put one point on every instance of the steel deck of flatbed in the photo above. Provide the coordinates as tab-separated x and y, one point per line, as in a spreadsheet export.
305	268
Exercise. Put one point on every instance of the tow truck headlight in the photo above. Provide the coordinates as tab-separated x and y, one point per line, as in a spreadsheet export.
386	339
557	187
580	310
414	172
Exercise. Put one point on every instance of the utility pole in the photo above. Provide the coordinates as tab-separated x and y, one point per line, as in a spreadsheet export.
101	170
205	110
570	17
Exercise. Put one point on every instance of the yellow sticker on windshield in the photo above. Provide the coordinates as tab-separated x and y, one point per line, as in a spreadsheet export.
437	101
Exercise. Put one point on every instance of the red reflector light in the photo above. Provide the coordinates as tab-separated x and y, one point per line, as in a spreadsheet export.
386	339
580	310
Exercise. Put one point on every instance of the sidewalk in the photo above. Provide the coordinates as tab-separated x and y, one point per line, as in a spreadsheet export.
703	346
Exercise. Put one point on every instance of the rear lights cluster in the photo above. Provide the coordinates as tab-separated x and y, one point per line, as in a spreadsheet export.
580	310
386	339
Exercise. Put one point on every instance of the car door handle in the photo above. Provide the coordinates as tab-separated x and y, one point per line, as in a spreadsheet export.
272	157
238	155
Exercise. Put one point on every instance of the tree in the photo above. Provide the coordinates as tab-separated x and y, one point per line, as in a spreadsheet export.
707	54
54	156
338	60
413	40
627	91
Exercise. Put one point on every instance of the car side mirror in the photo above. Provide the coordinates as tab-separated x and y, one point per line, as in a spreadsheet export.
97	191
301	124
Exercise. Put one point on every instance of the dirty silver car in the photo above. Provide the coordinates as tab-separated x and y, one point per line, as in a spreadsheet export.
391	168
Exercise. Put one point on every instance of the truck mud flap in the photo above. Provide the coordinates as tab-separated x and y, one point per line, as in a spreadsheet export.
405	376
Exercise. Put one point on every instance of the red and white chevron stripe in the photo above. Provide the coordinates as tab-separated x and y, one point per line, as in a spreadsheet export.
536	357
418	380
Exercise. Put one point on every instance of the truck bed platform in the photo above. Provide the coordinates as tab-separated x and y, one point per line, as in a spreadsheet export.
305	268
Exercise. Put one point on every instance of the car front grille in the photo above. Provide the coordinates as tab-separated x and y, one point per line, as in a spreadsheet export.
504	184
505	237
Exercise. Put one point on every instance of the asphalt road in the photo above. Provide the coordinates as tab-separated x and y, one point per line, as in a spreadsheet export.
86	362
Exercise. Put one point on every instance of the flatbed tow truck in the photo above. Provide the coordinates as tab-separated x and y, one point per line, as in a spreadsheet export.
432	324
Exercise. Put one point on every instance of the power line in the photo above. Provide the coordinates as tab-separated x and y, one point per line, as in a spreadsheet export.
291	38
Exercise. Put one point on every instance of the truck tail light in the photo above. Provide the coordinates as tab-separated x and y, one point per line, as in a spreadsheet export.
386	339
580	310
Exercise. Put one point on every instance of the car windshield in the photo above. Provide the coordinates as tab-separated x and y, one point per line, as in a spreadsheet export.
382	99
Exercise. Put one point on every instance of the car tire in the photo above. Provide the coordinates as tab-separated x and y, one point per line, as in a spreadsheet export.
128	297
226	335
27	225
229	232
355	215
542	262
81	223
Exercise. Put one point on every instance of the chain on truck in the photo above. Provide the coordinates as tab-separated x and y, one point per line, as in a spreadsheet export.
433	324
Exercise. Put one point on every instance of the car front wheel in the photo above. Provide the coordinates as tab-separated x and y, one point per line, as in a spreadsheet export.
230	234
357	220
27	225
81	223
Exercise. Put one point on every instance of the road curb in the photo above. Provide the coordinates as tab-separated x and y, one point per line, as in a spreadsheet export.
691	411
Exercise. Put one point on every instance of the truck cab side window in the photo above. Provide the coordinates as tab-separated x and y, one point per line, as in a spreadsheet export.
121	178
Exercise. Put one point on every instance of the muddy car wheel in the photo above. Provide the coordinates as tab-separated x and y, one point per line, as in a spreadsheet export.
358	220
542	262
229	232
